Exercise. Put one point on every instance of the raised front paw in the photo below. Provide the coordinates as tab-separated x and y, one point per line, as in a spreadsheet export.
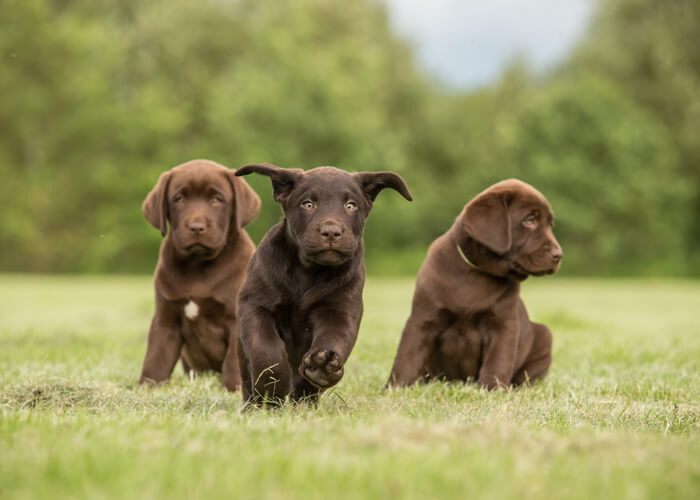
322	368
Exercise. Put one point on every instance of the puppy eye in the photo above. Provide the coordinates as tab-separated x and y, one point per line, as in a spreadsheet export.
179	198
530	221
308	204
217	199
351	206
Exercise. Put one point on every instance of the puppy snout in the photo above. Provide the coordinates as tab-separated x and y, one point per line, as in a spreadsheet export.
197	226
331	231
557	254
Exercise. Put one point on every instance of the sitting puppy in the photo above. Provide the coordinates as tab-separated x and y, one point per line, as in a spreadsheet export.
468	320
202	265
300	307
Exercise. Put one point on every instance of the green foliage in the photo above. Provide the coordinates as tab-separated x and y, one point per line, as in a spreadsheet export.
600	159
651	52
616	417
97	98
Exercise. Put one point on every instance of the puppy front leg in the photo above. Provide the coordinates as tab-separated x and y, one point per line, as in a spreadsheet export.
499	358
416	345
334	335
540	357
268	370
163	350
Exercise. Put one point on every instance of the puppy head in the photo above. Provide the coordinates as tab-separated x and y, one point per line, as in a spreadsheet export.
204	203
514	221
326	207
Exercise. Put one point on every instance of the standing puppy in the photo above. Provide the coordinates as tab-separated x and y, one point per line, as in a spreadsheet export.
468	320
301	304
202	265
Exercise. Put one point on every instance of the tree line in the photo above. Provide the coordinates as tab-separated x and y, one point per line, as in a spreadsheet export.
98	97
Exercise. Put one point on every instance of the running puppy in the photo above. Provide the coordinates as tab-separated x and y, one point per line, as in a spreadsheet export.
300	307
468	320
202	265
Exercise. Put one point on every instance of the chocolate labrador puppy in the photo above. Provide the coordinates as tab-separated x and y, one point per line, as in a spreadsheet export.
468	320
202	265
300	307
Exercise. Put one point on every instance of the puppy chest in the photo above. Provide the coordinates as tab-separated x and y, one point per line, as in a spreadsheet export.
474	327
293	326
197	310
191	310
203	323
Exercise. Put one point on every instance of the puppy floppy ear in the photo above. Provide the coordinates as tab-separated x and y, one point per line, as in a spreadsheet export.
246	203
155	206
372	183
486	219
283	179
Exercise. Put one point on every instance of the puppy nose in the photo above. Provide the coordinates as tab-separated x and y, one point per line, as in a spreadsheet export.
197	226
331	232
557	254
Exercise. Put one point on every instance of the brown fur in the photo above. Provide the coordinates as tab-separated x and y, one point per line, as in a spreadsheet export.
467	320
203	259
301	304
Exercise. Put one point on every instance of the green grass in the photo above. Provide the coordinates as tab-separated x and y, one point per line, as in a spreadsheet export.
616	418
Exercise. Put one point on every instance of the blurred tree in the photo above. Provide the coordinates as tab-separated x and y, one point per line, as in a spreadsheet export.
599	158
98	97
651	51
610	137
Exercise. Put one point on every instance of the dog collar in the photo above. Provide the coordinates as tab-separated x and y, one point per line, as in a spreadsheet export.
464	257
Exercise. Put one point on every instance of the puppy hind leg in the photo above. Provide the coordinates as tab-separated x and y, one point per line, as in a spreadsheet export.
540	358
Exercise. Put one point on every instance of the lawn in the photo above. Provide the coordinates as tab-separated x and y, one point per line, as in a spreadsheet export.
616	418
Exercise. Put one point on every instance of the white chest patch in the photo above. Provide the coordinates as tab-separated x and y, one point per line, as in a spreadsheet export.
191	310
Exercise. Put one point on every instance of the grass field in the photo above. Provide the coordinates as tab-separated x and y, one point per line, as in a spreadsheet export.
616	418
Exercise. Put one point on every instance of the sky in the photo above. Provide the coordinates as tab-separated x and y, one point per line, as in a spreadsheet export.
467	43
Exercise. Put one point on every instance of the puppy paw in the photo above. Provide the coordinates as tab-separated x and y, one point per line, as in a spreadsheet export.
323	369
